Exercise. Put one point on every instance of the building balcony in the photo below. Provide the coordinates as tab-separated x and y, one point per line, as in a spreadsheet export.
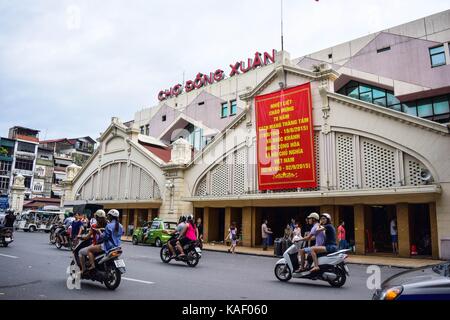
25	153
6	158
26	138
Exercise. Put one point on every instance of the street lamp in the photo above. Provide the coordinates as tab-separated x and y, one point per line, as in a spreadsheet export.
170	185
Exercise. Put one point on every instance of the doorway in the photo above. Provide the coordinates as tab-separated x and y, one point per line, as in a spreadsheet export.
378	234
420	228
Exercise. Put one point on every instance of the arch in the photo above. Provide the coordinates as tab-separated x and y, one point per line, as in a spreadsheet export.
118	176
392	144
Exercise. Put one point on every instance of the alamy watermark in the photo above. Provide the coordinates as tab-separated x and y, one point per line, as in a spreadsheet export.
374	280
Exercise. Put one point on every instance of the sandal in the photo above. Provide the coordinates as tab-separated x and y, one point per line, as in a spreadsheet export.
315	269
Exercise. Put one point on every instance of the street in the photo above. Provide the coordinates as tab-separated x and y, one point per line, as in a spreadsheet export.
31	268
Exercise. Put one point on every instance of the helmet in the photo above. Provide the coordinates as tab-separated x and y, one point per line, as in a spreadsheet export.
190	217
10	211
314	215
326	215
100	213
182	219
114	213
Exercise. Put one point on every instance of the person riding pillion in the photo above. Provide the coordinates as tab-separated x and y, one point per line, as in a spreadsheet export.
111	239
188	234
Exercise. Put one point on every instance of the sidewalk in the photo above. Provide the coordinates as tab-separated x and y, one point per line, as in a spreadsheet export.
352	258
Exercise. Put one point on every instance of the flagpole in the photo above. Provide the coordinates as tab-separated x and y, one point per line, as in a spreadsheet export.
282	42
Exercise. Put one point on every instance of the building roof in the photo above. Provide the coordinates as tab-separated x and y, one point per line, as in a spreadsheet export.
55	141
41	202
71	141
25	128
164	153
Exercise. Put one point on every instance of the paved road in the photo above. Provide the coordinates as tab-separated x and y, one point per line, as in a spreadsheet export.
30	268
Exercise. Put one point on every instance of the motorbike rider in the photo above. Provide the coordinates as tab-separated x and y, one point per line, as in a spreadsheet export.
95	233
329	245
111	238
188	234
316	234
10	218
67	223
173	242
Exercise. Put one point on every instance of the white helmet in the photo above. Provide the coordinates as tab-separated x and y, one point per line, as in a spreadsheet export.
100	213
190	217
114	213
326	215
314	215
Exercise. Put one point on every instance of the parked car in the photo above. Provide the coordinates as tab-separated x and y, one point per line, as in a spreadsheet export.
158	232
427	283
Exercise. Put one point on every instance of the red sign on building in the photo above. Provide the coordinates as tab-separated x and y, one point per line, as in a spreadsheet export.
285	143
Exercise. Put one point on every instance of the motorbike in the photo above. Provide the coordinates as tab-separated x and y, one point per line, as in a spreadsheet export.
55	229
70	244
332	266
192	250
108	267
6	236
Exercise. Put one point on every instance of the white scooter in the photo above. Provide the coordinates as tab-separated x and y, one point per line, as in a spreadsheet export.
332	266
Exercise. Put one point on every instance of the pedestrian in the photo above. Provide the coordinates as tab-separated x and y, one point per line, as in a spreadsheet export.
341	236
200	229
232	235
394	235
292	224
288	232
265	234
297	231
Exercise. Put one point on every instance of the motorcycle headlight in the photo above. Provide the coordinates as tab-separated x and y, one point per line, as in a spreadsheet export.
392	293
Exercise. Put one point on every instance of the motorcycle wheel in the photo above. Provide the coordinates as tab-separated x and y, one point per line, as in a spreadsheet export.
164	254
192	259
340	280
58	244
52	237
158	242
5	244
113	277
282	272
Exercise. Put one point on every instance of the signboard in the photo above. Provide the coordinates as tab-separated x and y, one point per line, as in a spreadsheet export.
202	80
285	140
4	204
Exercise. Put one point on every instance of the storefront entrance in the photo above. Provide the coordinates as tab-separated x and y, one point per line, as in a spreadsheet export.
378	235
279	218
420	229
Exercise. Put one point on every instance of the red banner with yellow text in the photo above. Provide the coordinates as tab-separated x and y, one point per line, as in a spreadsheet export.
285	140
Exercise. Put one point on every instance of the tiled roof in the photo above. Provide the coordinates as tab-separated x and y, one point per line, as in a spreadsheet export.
164	153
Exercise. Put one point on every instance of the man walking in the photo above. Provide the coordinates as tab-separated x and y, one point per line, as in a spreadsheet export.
341	236
265	234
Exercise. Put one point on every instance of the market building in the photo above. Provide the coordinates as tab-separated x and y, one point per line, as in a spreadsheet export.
365	137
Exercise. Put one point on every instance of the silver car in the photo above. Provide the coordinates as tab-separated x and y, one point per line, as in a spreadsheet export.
427	283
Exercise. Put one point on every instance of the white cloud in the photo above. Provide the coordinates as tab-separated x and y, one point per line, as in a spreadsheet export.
69	66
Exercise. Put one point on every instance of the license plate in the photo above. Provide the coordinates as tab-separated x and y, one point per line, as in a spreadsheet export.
198	250
346	268
8	239
119	263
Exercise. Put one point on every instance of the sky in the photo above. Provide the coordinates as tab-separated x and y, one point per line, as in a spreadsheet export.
67	67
